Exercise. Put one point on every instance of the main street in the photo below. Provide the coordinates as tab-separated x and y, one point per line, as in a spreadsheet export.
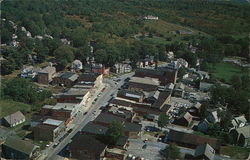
107	94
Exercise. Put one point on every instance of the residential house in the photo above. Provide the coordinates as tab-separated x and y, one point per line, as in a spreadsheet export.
179	90
143	84
165	75
203	74
15	148
29	72
51	127
185	120
99	68
203	126
213	116
86	147
239	121
132	130
162	100
137	96
150	17
191	140
46	74
67	79
241	136
148	61
13	119
195	109
121	68
76	65
125	113
105	119
204	152
94	129
65	41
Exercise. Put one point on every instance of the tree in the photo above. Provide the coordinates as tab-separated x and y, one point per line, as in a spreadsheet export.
163	120
7	67
64	55
114	132
225	119
172	152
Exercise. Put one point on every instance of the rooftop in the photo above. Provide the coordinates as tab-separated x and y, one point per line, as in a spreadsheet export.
15	117
145	80
20	145
52	122
94	128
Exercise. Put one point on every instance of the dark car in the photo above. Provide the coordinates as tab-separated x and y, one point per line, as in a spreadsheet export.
144	146
151	129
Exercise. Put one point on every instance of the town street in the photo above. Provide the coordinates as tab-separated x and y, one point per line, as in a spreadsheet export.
110	90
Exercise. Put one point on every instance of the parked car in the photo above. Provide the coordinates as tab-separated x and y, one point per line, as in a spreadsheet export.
144	146
151	129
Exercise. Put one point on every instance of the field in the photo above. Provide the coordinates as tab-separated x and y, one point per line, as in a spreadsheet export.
225	71
9	106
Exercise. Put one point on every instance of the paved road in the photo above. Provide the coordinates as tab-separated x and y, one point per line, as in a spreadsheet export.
111	89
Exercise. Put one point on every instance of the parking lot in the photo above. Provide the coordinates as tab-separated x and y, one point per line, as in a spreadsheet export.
151	152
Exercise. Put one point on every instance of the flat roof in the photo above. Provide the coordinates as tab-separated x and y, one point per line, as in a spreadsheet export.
145	80
52	122
58	106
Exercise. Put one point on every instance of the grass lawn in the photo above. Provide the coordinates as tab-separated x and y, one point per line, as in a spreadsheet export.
9	106
226	71
235	152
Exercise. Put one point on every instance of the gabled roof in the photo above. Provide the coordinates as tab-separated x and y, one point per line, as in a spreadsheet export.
88	77
94	128
87	143
20	145
205	149
108	118
132	127
14	118
69	75
161	99
188	117
238	120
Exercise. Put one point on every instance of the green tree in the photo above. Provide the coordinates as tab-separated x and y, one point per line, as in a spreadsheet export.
172	152
64	55
7	67
114	132
163	120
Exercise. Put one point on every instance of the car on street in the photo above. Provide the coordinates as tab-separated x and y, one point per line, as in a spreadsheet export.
144	146
55	145
151	129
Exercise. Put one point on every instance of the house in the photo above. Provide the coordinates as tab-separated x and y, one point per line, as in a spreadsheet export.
191	140
150	17
238	121
137	96
51	127
185	120
195	109
170	55
29	72
163	99
64	110
91	78
203	74
182	63
148	61
105	119
13	119
94	129
65	41
125	113
76	65
213	116
203	126
143	84
86	147
67	79
121	68
132	130
179	90
46	74
205	86
14	148
99	68
78	94
241	136
165	75
115	154
205	152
